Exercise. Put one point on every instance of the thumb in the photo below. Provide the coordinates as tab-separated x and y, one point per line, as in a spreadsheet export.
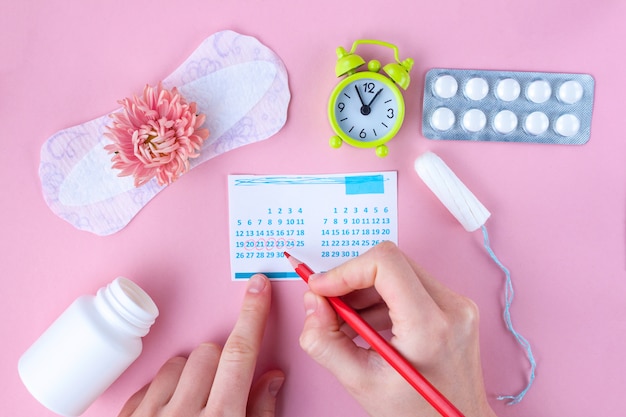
323	340
262	401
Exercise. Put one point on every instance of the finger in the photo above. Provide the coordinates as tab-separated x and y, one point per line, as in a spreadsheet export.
323	340
262	401
163	385
133	402
361	299
376	316
367	303
385	268
234	374
196	380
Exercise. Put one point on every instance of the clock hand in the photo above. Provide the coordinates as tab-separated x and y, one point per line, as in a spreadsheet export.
356	87
365	108
374	98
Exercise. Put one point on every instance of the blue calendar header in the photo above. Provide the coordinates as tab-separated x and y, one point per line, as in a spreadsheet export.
365	184
355	184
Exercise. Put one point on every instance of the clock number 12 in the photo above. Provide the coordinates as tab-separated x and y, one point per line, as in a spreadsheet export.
369	88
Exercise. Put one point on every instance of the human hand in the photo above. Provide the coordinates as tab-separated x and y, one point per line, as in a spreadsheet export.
432	327
213	382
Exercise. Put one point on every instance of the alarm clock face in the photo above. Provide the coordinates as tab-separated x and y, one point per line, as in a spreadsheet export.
366	109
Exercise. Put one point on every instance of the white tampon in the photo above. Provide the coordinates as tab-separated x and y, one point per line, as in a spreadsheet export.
470	212
449	189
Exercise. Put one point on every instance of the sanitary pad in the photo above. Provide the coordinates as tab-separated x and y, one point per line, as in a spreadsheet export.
237	82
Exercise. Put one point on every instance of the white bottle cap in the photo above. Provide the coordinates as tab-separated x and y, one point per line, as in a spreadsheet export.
457	198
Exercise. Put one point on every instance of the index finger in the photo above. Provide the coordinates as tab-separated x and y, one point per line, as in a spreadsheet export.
235	370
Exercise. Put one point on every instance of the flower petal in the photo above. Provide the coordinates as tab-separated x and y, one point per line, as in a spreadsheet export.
155	135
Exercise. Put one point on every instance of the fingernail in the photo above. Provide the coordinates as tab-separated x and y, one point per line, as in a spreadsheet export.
275	386
310	303
316	276
256	283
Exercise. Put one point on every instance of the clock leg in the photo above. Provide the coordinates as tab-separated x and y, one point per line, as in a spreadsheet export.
382	151
335	142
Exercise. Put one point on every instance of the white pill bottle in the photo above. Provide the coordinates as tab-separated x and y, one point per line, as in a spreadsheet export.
88	347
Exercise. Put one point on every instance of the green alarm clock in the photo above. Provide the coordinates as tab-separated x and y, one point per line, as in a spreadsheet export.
366	109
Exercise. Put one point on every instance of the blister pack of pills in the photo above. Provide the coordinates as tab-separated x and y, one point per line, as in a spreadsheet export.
507	106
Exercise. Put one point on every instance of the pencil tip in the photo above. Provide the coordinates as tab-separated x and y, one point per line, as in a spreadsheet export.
293	261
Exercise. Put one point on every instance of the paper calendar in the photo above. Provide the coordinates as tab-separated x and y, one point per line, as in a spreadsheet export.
323	220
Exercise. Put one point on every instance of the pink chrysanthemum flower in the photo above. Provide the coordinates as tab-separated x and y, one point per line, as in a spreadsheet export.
155	135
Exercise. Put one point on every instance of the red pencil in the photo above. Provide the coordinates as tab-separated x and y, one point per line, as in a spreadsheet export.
384	349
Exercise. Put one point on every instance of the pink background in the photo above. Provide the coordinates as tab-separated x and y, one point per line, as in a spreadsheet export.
557	211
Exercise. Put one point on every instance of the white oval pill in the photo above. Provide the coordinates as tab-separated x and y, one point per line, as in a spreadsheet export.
508	89
505	122
442	119
539	91
445	86
567	125
536	123
474	120
476	88
570	92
